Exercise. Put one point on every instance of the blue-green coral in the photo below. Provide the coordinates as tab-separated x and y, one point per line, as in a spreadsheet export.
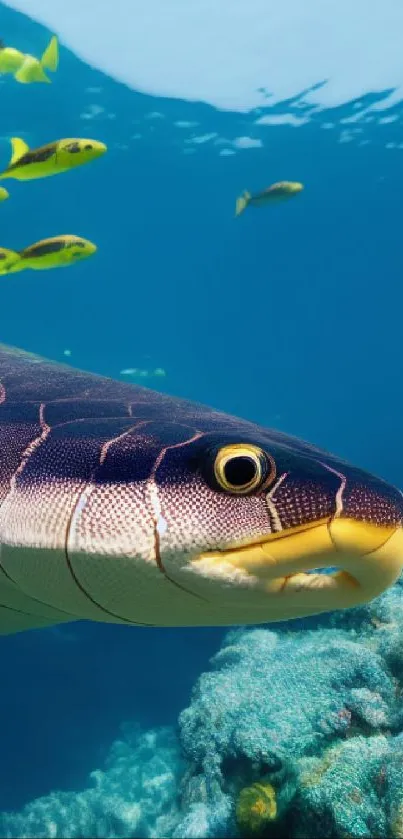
312	713
133	795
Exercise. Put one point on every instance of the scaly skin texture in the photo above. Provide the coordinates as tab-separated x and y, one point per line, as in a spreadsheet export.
109	511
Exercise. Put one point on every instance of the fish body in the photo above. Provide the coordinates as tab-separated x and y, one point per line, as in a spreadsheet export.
123	505
276	192
60	156
57	252
26	68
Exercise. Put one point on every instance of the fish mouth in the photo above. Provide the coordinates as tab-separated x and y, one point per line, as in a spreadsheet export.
296	187
330	564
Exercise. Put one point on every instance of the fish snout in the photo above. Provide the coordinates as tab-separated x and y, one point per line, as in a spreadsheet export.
295	187
336	564
372	554
90	248
333	564
97	148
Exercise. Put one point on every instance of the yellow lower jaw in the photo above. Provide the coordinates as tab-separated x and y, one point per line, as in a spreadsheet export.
370	559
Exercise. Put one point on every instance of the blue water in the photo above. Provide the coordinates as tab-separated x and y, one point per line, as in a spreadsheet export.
289	316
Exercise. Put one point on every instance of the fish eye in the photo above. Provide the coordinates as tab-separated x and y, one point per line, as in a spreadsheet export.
73	148
242	468
88	146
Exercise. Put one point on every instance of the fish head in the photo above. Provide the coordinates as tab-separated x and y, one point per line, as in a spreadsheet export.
293	187
73	152
261	527
156	511
78	248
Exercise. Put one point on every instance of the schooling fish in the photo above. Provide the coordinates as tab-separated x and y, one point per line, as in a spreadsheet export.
275	192
57	252
27	164
26	68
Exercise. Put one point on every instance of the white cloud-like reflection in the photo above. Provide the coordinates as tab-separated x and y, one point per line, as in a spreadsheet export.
233	54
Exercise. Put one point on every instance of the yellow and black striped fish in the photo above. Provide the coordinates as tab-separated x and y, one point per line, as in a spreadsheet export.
57	252
28	164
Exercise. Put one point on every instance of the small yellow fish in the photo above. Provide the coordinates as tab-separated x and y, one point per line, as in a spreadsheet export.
3	194
26	68
9	261
57	252
27	164
275	192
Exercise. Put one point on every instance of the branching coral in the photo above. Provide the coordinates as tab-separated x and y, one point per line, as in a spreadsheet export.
295	733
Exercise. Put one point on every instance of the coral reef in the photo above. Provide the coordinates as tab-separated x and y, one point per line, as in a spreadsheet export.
296	732
316	712
134	795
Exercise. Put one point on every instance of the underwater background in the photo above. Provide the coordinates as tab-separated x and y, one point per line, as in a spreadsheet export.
289	316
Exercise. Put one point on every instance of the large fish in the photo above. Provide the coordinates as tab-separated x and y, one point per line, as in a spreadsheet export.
123	505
